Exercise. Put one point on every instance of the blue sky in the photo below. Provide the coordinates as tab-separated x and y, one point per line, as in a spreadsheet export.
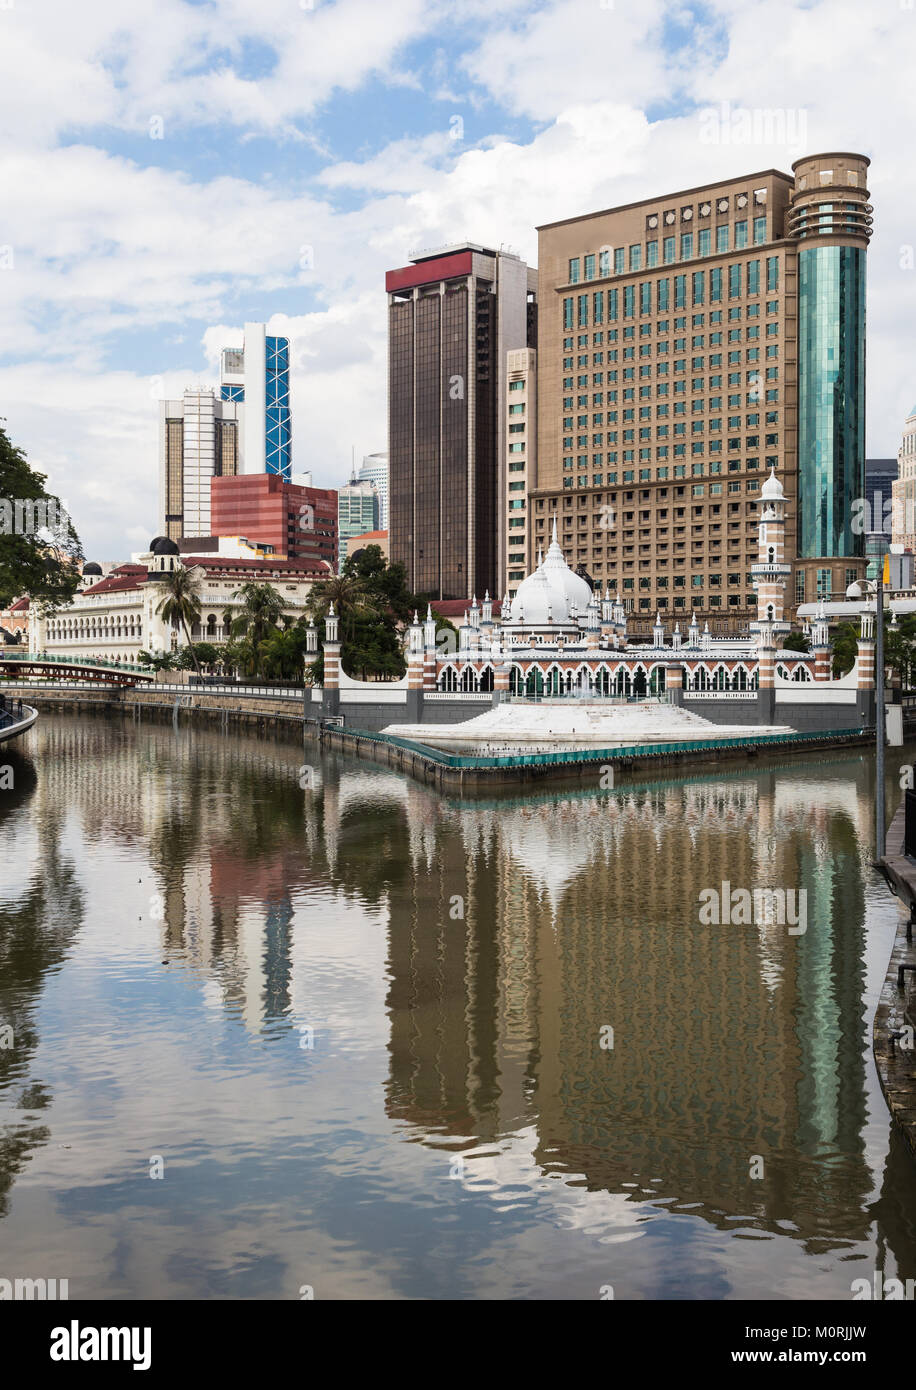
132	259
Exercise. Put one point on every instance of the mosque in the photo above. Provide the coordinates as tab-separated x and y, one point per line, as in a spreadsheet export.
560	639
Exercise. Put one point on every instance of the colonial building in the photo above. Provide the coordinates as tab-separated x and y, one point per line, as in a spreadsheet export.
116	617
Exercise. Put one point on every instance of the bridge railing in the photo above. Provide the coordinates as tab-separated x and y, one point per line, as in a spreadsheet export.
102	662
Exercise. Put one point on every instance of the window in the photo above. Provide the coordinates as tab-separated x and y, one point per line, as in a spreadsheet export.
604	262
598	307
734	282
662	296
753	277
772	274
582	304
699	288
740	235
574	271
589	267
680	291
636	258
760	230
704	242
619	261
715	288
651	254
722	238
568	312
686	246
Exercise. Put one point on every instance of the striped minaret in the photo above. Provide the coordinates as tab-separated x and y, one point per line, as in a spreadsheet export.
820	645
331	651
415	654
770	573
429	650
865	654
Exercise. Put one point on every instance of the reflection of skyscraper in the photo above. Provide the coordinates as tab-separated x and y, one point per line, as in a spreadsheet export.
727	1041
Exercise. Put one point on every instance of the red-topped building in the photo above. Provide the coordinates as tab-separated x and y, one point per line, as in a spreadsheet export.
300	523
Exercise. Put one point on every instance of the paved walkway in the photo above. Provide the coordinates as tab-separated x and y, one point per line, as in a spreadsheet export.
897	1005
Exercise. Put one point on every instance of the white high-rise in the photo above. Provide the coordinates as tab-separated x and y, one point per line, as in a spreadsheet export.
374	469
242	428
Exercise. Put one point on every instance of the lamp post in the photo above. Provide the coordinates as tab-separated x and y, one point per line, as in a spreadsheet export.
857	591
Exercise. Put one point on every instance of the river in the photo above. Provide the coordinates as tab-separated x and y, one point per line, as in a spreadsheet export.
287	1025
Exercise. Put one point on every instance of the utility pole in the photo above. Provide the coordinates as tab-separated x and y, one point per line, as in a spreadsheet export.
879	714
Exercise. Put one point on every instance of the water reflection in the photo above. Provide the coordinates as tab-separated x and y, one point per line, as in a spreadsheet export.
496	940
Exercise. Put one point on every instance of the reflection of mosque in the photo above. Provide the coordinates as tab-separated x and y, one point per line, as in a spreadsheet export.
728	1041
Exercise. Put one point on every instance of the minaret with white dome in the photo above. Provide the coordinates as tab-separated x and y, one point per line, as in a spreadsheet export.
770	574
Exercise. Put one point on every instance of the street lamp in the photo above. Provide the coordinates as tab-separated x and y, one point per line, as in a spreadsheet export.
858	590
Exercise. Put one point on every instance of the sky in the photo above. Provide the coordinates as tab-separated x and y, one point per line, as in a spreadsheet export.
172	168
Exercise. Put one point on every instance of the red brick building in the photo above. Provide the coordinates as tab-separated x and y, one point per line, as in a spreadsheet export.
299	522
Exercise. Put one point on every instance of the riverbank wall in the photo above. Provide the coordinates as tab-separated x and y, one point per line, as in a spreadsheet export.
895	1017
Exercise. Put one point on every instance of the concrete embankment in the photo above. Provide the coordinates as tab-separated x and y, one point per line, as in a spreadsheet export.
461	773
895	1016
432	766
251	711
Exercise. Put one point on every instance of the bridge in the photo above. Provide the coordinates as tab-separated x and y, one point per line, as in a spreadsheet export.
28	666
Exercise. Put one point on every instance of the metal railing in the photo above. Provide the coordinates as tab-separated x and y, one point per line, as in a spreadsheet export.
585	755
101	662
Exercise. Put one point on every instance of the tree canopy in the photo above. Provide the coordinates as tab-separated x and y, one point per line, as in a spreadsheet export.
40	552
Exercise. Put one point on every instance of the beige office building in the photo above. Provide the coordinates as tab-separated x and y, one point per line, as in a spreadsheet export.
688	344
521	462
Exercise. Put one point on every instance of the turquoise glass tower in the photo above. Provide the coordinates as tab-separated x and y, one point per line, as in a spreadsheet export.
830	218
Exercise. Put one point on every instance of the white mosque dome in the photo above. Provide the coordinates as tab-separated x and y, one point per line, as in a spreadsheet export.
772	489
537	602
553	585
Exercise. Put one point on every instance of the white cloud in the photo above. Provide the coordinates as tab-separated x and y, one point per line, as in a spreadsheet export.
105	245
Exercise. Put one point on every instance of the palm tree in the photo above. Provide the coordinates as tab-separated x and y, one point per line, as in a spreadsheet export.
181	603
350	597
262	609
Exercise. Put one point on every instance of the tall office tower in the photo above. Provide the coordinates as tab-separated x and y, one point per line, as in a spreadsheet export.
521	467
374	469
256	378
830	222
198	440
357	512
688	343
453	315
904	488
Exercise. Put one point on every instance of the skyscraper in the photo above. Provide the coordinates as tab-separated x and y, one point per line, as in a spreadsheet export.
198	440
454	314
245	429
357	512
374	469
256	377
688	343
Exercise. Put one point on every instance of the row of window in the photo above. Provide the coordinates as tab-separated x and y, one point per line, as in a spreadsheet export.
654	296
621	259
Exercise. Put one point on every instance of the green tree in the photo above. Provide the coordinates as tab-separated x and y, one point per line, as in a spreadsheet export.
262	610
796	642
845	648
158	661
351	597
283	652
41	561
181	604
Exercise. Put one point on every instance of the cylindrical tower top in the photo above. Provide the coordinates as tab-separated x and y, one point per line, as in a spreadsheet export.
830	199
